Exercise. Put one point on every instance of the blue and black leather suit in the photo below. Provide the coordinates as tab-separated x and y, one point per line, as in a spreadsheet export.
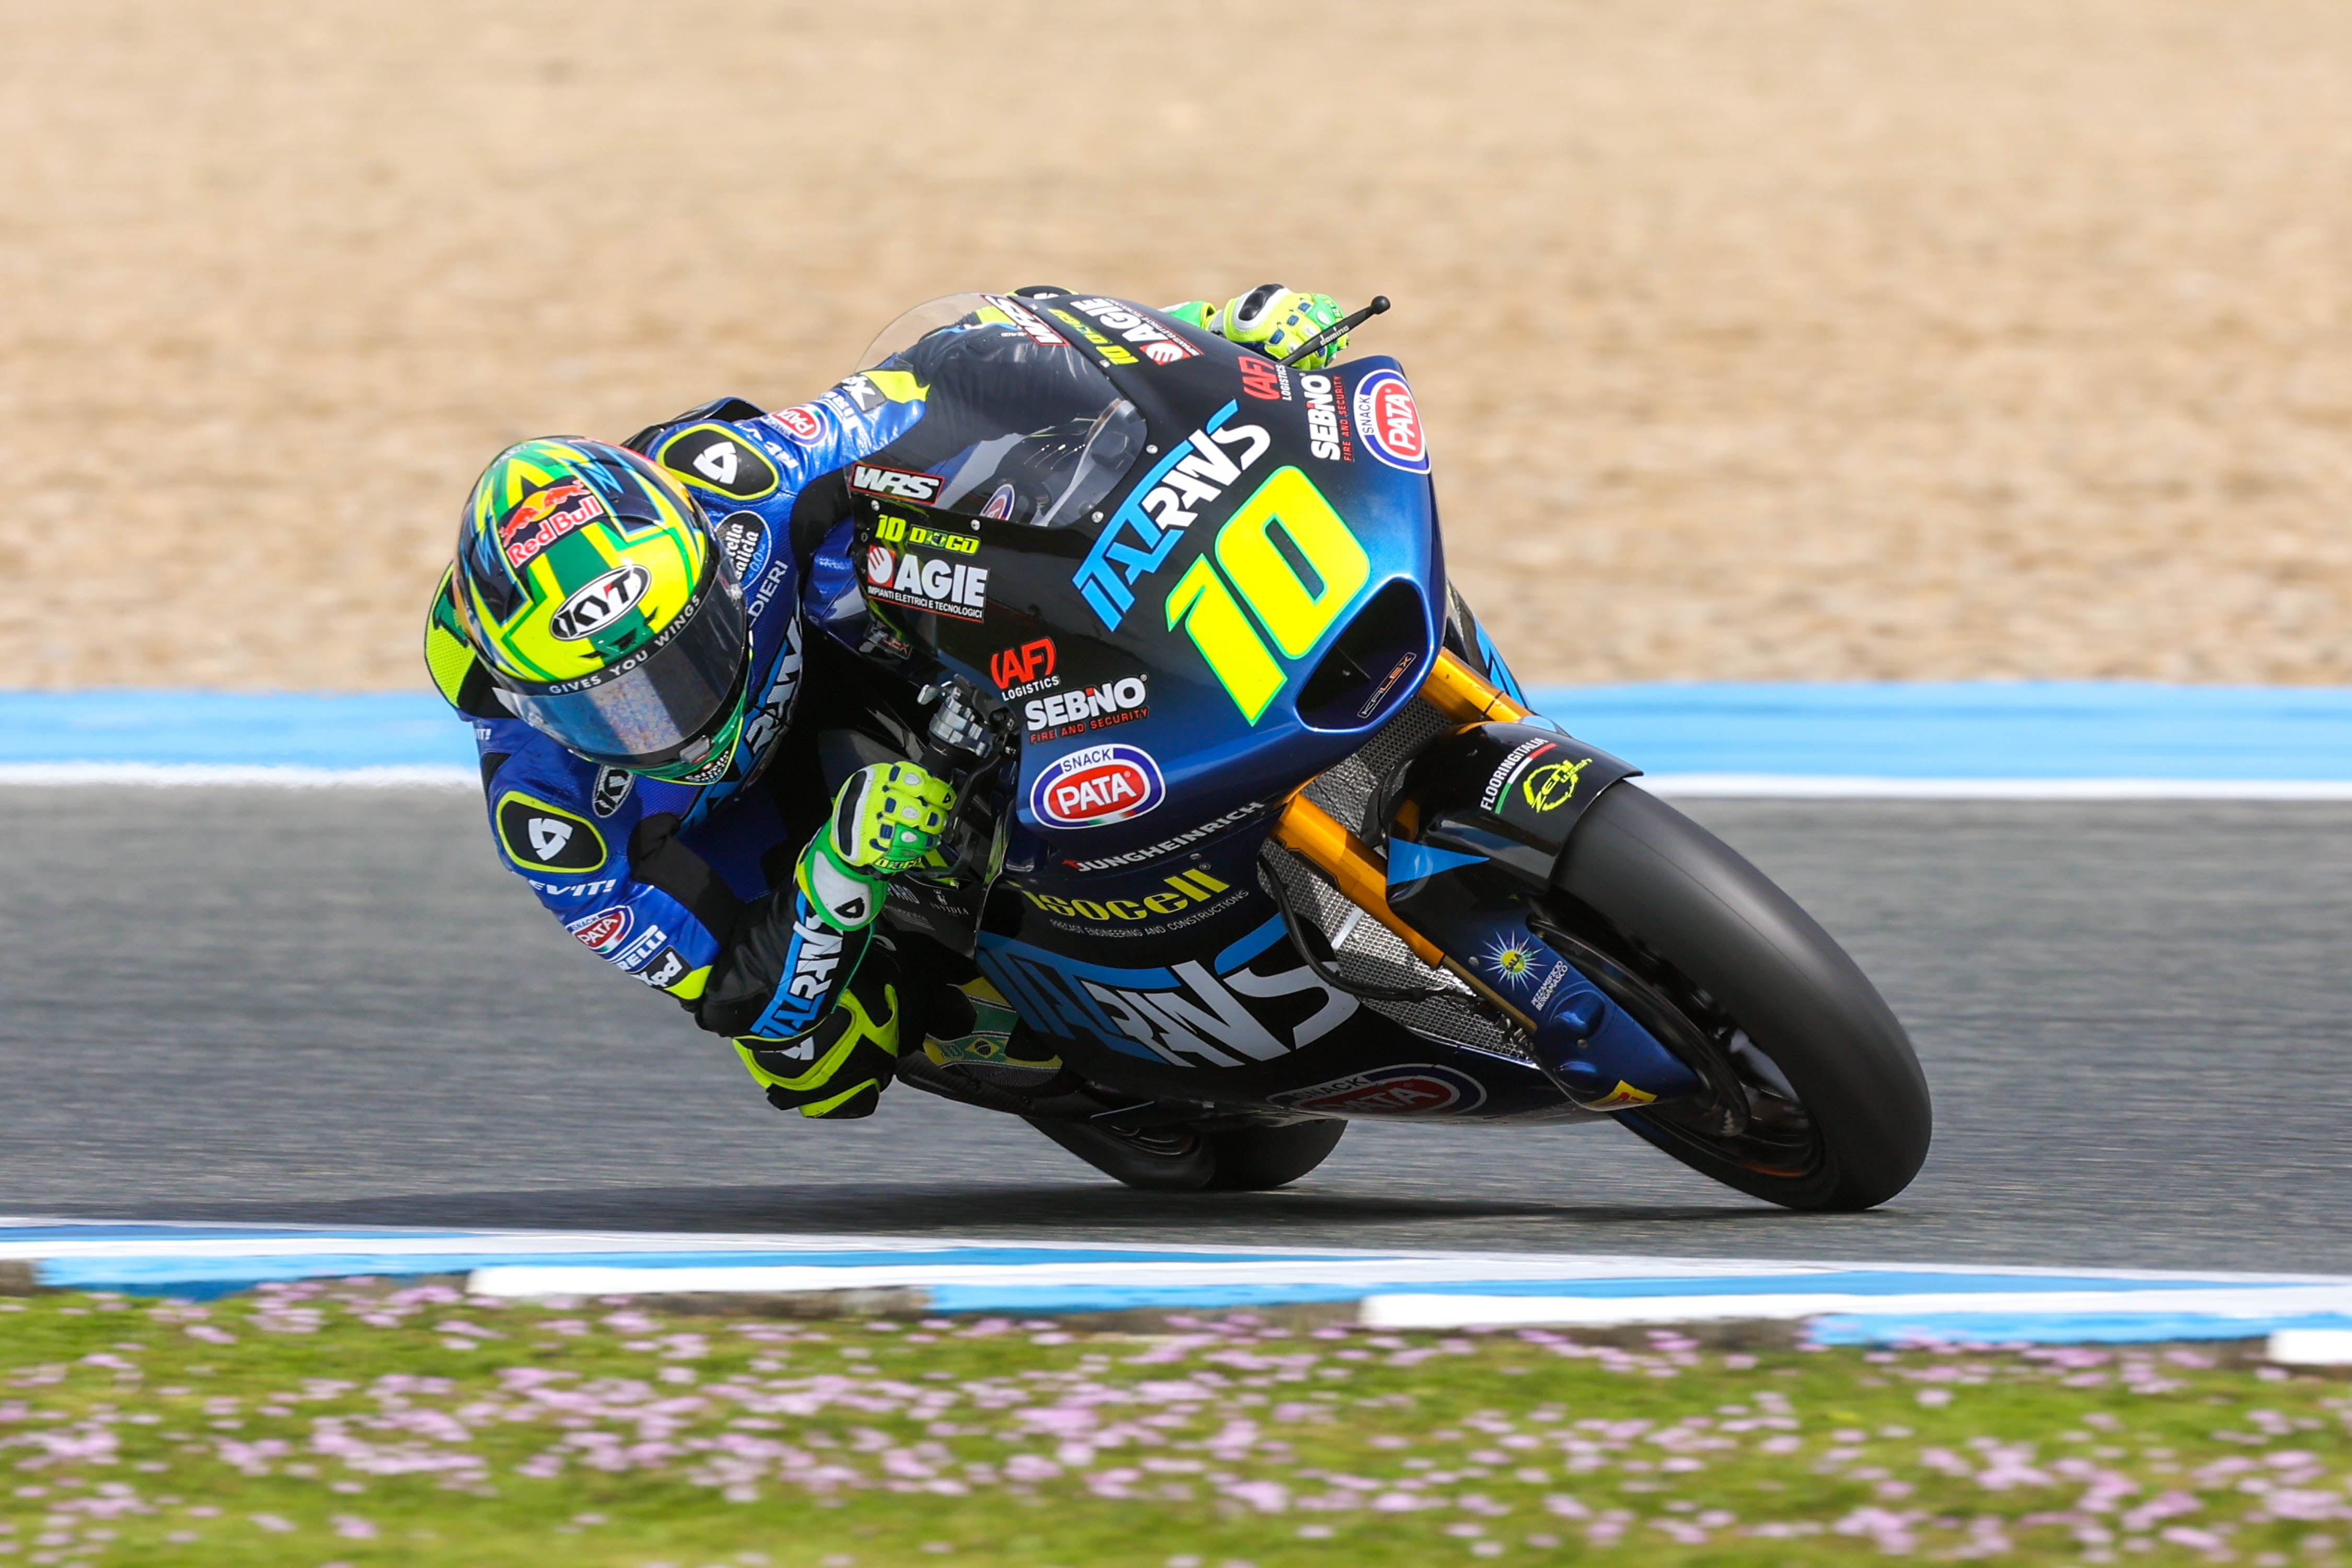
690	887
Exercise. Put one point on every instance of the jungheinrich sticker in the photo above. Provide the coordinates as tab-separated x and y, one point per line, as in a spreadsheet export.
1191	836
1097	785
1419	1088
1389	422
542	837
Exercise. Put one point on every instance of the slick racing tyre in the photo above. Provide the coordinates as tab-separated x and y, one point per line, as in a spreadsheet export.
1814	1100
1188	1160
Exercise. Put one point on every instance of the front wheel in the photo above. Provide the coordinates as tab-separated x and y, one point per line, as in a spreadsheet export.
1814	1100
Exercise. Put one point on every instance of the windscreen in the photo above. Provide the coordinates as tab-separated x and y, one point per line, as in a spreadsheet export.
1018	426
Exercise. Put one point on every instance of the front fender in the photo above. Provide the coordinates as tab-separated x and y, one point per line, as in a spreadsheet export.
1510	794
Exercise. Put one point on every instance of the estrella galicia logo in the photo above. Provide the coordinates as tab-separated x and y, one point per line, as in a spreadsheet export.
538	836
1095	786
1389	422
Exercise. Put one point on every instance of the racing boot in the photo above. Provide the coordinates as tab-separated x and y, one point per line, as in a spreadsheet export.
974	1031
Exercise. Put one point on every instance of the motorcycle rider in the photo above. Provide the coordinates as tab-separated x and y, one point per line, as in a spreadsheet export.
623	626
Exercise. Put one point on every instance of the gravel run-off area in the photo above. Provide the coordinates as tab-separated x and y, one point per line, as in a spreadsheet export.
1756	338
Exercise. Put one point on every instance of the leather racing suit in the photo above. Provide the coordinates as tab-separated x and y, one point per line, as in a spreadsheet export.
689	887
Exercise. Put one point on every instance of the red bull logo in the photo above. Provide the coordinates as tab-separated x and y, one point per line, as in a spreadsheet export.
543	517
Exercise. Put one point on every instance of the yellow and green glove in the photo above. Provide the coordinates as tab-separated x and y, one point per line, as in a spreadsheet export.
888	818
1270	318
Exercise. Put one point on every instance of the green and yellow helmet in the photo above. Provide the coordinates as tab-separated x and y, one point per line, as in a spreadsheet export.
591	588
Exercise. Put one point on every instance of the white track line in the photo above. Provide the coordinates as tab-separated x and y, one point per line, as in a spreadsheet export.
182	776
1412	1311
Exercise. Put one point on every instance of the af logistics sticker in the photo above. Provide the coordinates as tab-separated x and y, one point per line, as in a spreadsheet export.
542	837
1097	785
1419	1088
1389	422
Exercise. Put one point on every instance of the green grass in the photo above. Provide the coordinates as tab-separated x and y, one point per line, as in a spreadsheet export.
360	1425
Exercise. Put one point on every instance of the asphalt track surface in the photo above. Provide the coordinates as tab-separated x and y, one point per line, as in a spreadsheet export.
332	1007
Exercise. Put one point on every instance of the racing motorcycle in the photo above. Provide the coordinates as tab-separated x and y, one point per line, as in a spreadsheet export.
1257	831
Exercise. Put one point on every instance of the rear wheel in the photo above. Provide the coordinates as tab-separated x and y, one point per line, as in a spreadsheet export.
1191	1159
1814	1100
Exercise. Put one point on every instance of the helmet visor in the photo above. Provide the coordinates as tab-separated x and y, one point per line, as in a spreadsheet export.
651	708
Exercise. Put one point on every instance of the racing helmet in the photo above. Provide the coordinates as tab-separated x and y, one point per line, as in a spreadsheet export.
591	589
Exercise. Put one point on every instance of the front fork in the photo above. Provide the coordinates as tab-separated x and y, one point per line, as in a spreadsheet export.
1458	890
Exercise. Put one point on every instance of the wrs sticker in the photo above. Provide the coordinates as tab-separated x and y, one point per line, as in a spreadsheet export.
1097	785
1389	422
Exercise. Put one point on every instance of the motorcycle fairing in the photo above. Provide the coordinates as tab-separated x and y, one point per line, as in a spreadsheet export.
1150	1032
1509	793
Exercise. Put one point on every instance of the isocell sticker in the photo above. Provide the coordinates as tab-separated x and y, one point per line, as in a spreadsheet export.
538	836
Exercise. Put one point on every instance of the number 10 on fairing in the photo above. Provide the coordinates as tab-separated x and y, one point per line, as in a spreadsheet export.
1296	593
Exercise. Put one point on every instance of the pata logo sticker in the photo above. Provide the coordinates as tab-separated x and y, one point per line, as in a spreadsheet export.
603	930
600	603
1096	785
1417	1089
1389	422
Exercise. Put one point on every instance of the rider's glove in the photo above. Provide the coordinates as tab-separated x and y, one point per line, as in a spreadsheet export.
837	1071
1278	320
886	819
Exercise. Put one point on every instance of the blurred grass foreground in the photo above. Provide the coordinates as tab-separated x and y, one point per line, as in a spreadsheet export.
354	1424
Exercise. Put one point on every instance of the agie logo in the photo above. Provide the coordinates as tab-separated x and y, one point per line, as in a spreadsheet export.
1097	785
1389	422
